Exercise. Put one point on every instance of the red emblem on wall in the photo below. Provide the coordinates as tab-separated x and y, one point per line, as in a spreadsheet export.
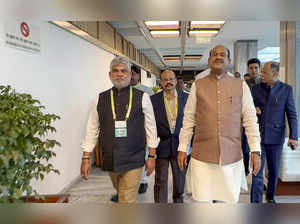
25	29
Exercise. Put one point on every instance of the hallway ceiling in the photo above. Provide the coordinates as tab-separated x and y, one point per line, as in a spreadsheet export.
266	32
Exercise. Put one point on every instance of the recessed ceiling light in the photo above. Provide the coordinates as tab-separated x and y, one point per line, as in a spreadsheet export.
164	33
206	24
203	33
161	23
171	57
192	57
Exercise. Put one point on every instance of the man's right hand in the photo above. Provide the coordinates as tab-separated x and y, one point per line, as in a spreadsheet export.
182	160
85	168
258	111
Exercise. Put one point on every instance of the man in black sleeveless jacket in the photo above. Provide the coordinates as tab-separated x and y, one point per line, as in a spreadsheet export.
123	122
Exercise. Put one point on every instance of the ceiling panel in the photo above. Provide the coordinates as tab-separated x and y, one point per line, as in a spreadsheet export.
266	32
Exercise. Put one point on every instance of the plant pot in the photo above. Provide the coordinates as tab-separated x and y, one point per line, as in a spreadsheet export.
50	198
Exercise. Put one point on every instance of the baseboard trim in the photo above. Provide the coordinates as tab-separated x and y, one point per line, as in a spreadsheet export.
74	181
68	187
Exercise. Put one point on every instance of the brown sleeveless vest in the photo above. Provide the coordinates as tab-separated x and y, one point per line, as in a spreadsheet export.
218	120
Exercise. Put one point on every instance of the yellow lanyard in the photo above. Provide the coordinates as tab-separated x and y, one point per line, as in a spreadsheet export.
113	104
173	116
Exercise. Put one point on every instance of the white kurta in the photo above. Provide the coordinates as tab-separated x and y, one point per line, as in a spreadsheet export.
207	181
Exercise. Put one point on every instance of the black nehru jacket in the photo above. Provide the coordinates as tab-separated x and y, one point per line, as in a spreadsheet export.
125	153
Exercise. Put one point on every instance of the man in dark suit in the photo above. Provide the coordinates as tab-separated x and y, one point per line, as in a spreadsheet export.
253	65
168	107
273	100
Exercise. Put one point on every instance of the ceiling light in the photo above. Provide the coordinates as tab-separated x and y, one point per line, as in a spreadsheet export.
171	58
203	33
185	68
206	24
164	33
192	57
162	25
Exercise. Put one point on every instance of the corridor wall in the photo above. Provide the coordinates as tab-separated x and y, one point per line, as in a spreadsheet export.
148	81
66	76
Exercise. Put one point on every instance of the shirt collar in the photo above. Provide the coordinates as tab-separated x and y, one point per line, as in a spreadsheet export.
267	87
175	93
218	77
125	89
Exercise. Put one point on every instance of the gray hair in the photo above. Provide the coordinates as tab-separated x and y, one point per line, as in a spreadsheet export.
120	60
274	65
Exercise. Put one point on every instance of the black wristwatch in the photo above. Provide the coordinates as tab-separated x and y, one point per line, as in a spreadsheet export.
152	156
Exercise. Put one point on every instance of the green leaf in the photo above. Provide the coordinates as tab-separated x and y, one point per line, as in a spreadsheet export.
24	125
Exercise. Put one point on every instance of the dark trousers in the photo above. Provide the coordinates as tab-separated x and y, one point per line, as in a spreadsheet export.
246	151
161	181
271	153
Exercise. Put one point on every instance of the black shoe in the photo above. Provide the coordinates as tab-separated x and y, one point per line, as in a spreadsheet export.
272	201
265	188
114	198
143	188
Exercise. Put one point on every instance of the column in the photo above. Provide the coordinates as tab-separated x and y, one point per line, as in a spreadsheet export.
289	55
297	83
243	51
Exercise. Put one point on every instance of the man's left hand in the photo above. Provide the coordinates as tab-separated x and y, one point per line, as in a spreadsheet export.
292	144
150	166
255	163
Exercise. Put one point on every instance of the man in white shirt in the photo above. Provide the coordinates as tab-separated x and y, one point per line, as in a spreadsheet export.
123	122
135	82
214	108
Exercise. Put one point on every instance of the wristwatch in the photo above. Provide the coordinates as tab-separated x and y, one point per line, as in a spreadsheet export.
152	156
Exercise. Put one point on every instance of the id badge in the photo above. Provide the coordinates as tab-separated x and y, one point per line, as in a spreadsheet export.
120	129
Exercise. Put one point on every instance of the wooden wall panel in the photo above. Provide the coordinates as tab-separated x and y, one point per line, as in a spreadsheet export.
107	34
125	47
138	57
131	49
119	43
90	27
144	60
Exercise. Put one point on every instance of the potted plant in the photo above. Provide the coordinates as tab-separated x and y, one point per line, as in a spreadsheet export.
25	150
155	89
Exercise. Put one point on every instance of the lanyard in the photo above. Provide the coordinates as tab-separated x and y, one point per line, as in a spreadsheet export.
173	116
113	104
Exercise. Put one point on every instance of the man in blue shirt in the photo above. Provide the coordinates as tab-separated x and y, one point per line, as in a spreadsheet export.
273	100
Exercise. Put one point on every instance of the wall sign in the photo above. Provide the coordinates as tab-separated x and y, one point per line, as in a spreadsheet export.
22	35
